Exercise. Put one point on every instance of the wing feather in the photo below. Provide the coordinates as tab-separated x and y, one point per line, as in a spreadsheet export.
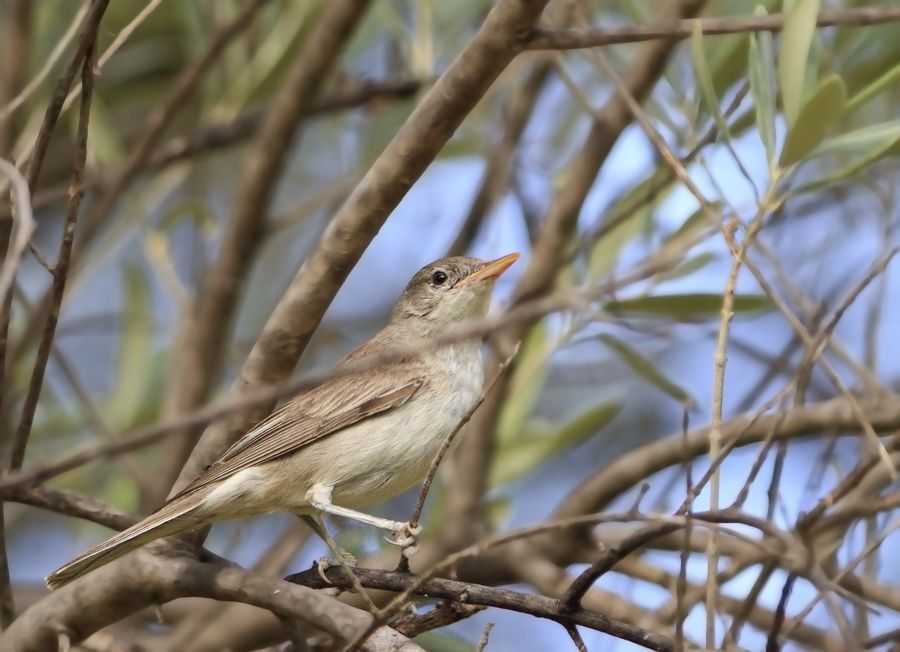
309	417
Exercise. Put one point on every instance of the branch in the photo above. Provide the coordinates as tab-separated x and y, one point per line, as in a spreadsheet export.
114	593
87	35
420	139
571	39
70	503
499	164
475	456
61	270
834	415
204	331
23	221
466	593
207	140
448	441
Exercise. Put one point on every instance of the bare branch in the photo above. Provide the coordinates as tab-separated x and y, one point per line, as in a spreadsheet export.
571	39
467	593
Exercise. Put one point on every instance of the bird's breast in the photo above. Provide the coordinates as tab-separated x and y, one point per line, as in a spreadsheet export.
394	451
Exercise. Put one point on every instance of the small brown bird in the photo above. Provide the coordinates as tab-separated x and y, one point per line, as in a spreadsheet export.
353	441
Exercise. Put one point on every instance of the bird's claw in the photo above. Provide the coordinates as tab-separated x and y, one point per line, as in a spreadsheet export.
404	535
324	563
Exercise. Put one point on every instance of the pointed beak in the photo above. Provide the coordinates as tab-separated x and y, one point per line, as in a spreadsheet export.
489	271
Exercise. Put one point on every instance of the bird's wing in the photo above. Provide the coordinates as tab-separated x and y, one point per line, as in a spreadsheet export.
309	417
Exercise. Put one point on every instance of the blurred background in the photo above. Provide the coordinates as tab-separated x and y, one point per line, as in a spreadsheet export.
815	172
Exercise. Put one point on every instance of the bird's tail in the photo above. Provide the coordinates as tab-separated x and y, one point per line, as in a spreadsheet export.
176	517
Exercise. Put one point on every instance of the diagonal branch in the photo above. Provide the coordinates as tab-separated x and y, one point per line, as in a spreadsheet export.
420	139
204	331
61	270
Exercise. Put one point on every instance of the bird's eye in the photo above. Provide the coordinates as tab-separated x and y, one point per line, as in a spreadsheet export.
439	278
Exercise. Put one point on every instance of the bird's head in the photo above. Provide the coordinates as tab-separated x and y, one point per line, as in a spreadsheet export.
449	291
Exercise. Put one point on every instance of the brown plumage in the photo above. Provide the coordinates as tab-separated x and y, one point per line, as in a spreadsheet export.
350	442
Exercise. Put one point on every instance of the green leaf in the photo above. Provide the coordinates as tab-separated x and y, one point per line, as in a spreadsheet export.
796	38
632	212
442	641
690	232
861	140
539	443
818	114
105	141
883	82
762	86
136	356
705	80
687	307
728	55
606	251
525	387
877	152
647	370
688	267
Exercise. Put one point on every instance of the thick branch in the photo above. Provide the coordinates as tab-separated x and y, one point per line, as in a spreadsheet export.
203	333
626	471
115	592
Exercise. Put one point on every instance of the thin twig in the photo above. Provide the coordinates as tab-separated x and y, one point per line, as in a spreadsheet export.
23	227
61	270
445	446
570	39
573	633
485	635
87	36
60	47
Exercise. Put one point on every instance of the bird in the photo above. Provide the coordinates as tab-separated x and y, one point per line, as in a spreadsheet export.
353	441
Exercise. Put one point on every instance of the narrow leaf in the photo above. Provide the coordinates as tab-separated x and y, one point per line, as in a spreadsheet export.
688	267
606	251
135	354
860	140
818	114
762	86
686	306
646	369
525	386
799	26
705	80
876	153
539	443
883	82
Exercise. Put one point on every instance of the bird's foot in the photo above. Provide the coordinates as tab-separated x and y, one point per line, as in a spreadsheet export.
343	559
405	536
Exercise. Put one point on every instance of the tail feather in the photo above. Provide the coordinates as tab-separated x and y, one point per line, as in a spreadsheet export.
171	519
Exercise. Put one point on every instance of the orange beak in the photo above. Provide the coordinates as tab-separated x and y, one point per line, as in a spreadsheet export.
490	271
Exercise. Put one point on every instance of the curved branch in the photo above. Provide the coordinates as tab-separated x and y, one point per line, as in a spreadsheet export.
117	591
627	470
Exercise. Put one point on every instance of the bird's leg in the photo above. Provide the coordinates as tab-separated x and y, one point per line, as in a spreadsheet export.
319	497
341	557
315	524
